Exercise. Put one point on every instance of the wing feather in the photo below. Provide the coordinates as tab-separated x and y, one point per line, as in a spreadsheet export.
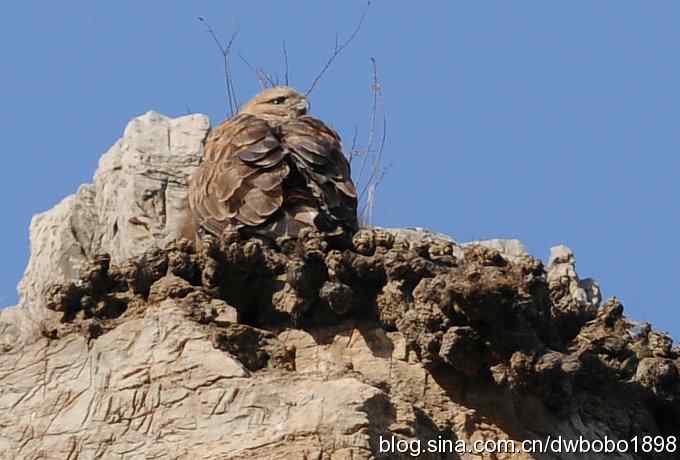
317	152
240	181
253	170
256	152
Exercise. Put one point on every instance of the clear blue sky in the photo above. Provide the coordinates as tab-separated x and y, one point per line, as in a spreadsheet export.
551	122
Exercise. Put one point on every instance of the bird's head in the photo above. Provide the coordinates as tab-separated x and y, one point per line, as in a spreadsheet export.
279	103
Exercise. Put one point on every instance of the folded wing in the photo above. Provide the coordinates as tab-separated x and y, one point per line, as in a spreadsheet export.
240	180
317	154
276	179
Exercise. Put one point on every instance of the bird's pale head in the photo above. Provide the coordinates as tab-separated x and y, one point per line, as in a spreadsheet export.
279	103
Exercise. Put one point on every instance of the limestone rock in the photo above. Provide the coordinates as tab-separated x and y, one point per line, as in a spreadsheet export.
304	349
573	298
512	249
157	387
135	203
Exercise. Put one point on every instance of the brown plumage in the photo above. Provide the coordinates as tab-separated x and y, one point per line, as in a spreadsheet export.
272	170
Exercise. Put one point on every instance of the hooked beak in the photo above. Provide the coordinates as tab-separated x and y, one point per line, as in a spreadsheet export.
302	107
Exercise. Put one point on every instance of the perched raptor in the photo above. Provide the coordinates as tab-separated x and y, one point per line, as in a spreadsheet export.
272	170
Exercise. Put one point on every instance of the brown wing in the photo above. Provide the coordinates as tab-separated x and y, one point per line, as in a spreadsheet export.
317	153
240	179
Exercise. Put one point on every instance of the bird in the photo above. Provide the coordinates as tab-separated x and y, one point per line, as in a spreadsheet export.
272	170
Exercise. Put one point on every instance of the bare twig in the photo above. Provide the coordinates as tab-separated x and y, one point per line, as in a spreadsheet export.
375	90
232	100
234	96
371	156
367	212
370	145
378	172
353	150
285	64
262	77
338	49
267	76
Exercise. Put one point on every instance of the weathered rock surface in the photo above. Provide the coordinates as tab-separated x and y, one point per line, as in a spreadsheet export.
135	203
130	344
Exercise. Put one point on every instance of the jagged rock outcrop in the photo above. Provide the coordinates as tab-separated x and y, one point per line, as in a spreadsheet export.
131	344
135	203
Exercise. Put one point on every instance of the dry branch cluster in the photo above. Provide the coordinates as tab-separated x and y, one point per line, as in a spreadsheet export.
367	160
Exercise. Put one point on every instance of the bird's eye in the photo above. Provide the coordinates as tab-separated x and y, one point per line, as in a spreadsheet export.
279	100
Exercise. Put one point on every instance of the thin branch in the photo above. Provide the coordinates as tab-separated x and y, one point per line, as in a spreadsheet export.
375	90
250	66
262	77
267	76
285	64
225	50
353	152
370	145
377	172
372	155
339	48
232	91
229	79
367	212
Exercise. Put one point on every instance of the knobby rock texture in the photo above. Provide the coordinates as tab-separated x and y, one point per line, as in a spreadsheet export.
130	343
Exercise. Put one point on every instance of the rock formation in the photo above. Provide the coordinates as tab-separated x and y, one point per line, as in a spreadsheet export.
129	343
